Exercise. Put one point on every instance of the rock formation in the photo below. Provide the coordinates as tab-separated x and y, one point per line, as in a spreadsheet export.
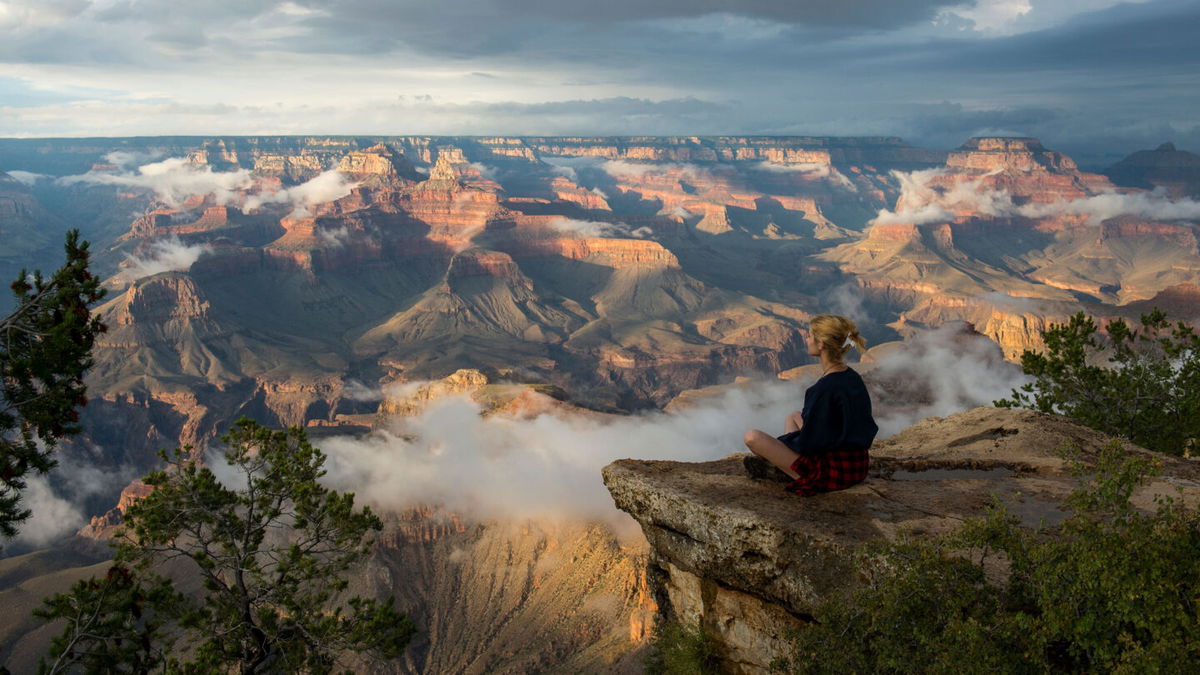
749	562
1175	171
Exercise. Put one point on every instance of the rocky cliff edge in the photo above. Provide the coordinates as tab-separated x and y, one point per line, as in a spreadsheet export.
749	561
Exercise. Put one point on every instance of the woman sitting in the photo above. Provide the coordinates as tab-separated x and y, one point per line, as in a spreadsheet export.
825	447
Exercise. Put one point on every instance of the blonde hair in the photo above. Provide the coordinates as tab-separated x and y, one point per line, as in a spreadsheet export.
837	333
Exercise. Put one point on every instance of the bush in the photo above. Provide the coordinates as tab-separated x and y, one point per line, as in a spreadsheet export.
676	649
1110	590
1150	395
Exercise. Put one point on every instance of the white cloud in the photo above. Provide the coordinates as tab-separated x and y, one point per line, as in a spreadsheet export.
357	391
926	199
847	300
167	254
173	180
619	168
957	371
496	467
989	16
335	238
1154	205
57	513
592	228
814	170
326	187
488	172
130	159
53	516
27	177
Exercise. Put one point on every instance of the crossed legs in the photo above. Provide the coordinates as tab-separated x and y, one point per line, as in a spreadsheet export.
772	449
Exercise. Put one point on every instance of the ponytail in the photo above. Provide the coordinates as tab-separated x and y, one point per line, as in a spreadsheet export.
838	334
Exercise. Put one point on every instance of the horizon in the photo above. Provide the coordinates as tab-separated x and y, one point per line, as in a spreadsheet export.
1097	78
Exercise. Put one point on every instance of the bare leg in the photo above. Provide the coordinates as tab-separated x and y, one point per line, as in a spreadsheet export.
794	422
771	449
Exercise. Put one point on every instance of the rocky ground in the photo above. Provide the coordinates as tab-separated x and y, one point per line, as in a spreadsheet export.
750	561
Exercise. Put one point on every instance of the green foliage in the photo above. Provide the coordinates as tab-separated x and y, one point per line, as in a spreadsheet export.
676	649
1150	395
110	625
45	347
271	557
1112	589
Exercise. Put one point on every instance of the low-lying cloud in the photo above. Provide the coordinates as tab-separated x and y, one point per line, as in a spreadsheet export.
926	199
619	168
164	255
498	467
173	180
1153	205
810	170
56	501
594	228
27	177
325	187
942	372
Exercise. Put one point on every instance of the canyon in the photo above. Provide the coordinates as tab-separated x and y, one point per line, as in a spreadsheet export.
349	284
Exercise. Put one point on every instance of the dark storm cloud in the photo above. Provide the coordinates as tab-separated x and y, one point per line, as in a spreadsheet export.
1154	36
497	26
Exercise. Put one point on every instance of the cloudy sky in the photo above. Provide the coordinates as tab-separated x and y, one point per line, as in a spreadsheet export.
1080	74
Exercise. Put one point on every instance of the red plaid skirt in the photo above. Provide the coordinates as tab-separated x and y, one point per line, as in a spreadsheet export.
828	471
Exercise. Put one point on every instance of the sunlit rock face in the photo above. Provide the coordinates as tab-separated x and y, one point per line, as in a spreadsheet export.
1008	235
749	562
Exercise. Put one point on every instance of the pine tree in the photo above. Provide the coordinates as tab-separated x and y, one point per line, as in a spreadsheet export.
272	558
45	347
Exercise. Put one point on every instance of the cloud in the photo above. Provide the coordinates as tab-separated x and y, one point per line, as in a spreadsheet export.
326	187
1152	205
130	159
357	391
173	180
496	467
57	501
988	16
925	198
488	172
53	516
493	467
618	168
593	228
27	177
847	299
815	170
164	255
335	238
1013	302
944	371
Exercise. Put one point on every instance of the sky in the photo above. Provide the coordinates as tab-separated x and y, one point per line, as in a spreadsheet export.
1082	75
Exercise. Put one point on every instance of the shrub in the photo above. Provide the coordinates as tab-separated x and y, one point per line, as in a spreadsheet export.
1111	589
678	649
1150	394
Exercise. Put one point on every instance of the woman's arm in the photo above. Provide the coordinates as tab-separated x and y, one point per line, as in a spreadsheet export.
794	422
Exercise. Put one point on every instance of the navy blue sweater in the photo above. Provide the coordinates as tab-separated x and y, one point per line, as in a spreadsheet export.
837	415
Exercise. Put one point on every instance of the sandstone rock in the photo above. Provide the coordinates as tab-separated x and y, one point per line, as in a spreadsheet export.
747	559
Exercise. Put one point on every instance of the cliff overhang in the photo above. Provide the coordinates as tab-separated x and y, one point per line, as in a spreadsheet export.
750	562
